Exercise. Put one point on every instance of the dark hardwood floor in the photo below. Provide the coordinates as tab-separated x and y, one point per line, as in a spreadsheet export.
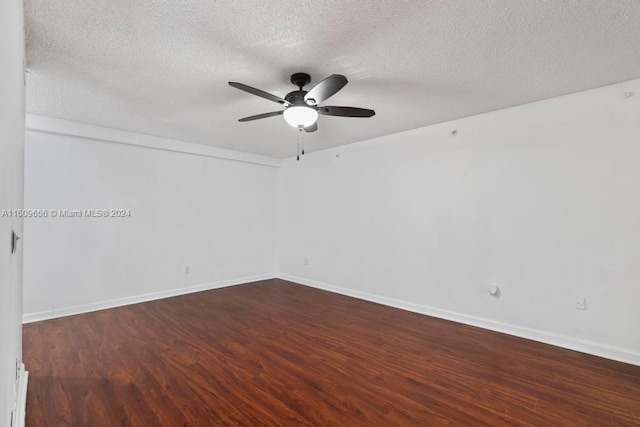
277	353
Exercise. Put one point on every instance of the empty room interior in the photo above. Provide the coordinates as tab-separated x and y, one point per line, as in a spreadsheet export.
320	213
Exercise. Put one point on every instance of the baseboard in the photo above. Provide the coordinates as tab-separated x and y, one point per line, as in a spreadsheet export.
589	347
19	413
135	299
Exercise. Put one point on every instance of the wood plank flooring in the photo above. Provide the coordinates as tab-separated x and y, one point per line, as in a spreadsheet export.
275	353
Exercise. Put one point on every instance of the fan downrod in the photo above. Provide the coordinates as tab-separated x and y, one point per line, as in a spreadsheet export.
300	79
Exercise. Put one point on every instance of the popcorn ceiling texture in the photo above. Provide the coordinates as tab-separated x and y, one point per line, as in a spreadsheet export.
162	67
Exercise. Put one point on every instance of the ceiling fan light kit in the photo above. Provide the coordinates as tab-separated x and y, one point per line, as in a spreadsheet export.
301	107
300	116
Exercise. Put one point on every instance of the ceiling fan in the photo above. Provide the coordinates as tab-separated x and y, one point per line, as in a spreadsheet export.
301	106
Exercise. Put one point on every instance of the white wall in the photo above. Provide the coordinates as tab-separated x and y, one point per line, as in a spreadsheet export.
11	172
542	199
215	215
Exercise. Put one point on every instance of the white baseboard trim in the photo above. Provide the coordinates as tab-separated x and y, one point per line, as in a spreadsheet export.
135	299
21	398
589	347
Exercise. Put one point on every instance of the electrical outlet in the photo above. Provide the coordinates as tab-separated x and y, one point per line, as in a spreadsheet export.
306	261
581	303
187	269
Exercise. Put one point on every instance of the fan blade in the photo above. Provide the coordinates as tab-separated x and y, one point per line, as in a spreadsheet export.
312	128
261	116
258	92
326	89
346	111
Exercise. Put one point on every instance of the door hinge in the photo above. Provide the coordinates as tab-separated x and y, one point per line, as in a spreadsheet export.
14	242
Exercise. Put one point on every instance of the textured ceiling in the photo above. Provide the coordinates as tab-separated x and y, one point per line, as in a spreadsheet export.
162	67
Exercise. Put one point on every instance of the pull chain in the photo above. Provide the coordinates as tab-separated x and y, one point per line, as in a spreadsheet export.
298	156
302	142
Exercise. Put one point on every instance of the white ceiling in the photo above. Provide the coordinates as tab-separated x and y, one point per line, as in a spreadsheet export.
162	68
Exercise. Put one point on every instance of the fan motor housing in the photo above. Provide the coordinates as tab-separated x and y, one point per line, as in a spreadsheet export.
296	97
